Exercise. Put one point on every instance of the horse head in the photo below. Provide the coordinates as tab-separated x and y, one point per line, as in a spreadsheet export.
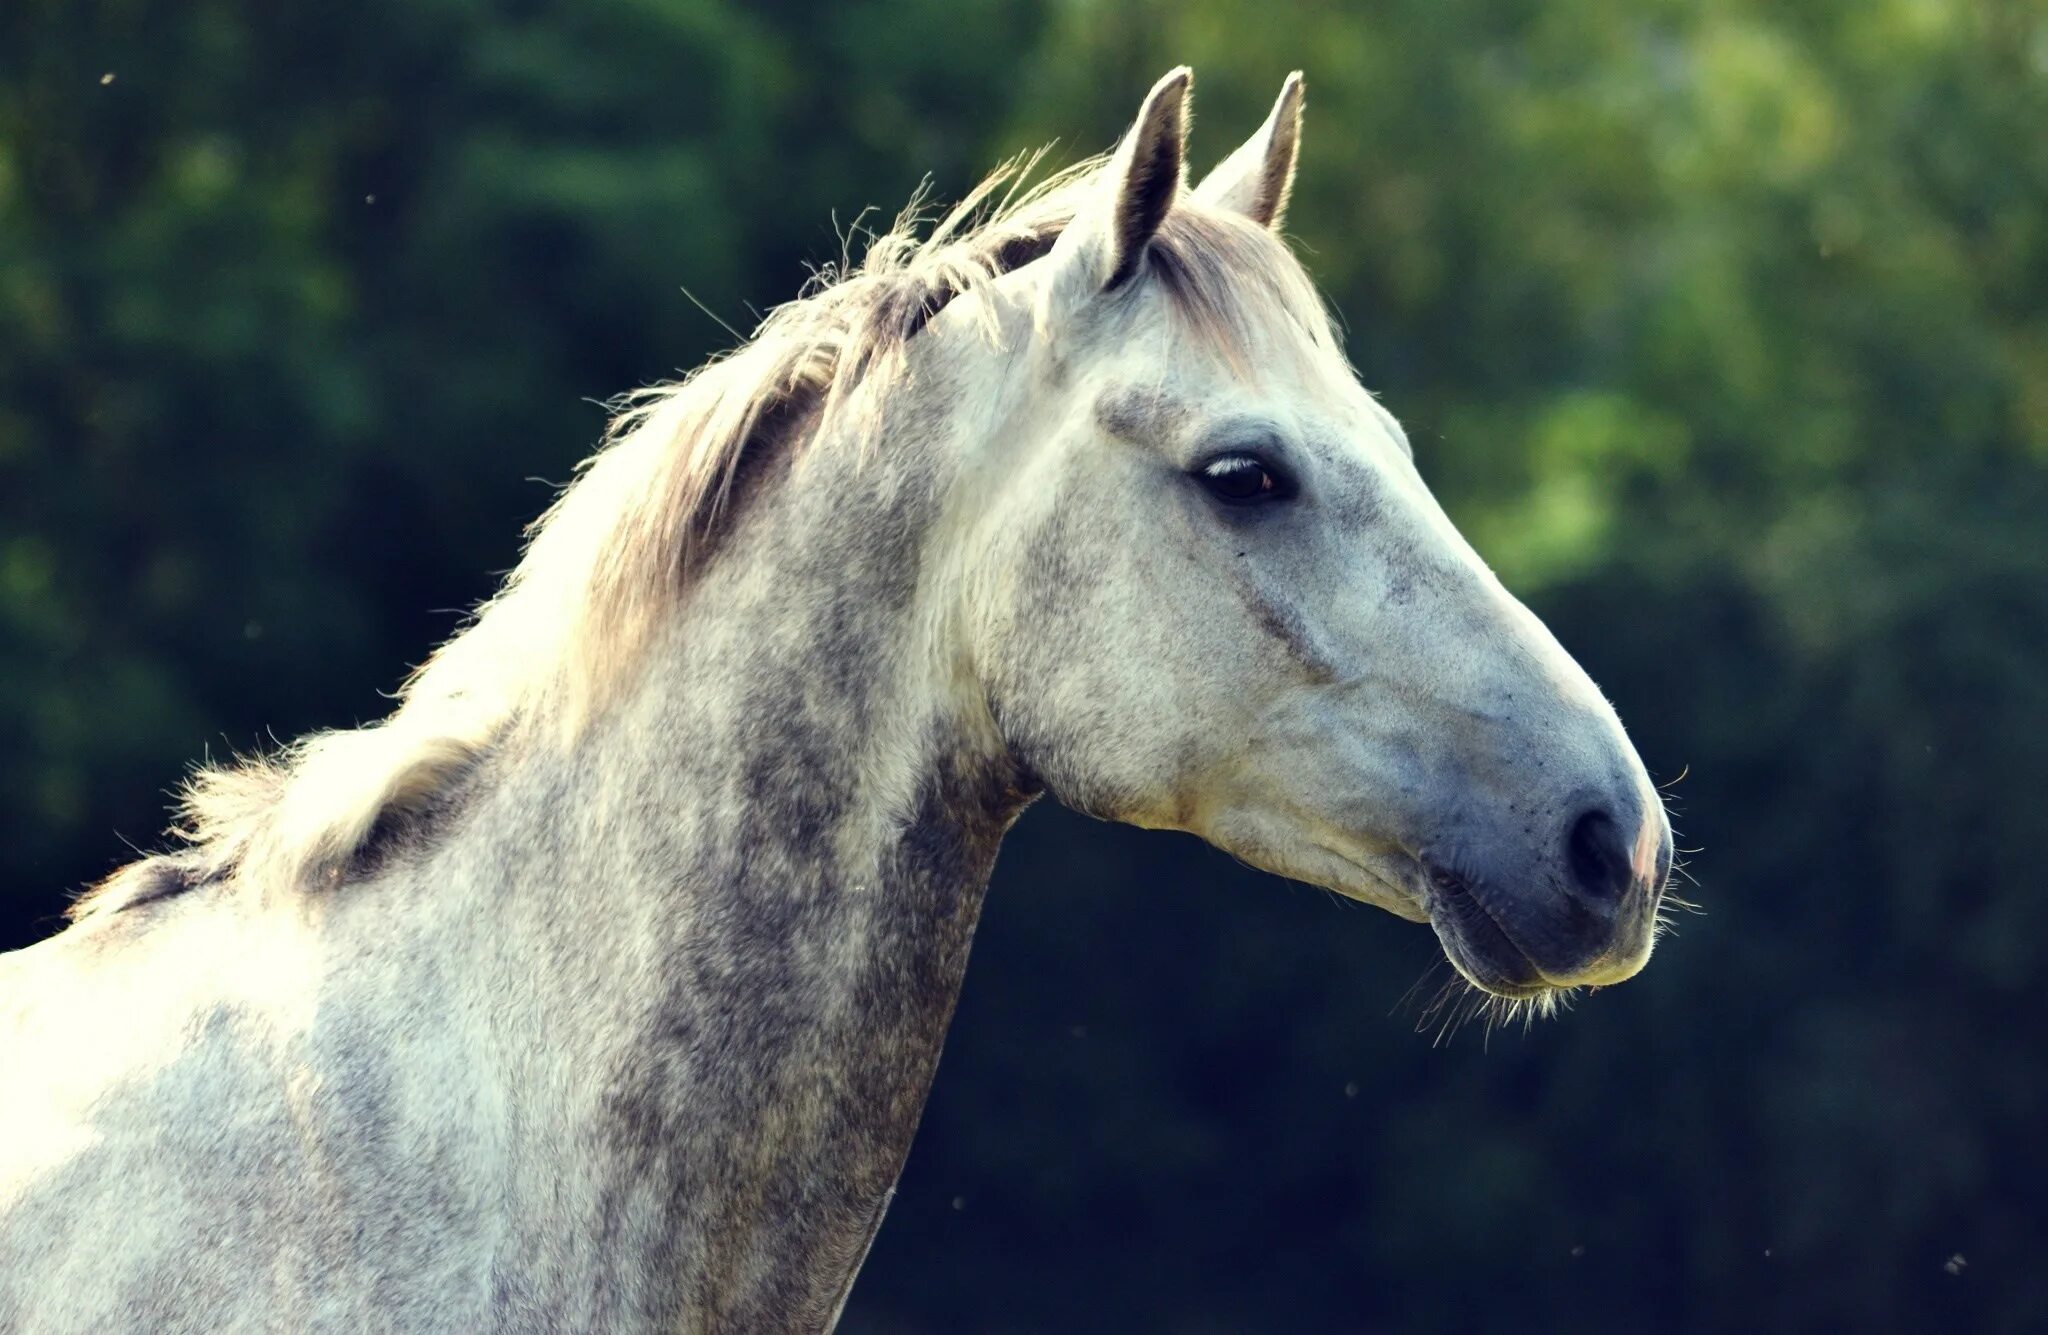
1218	597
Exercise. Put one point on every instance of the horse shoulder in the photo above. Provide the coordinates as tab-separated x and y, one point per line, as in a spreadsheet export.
193	1136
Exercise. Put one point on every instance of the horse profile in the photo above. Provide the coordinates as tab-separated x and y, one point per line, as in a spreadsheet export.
601	985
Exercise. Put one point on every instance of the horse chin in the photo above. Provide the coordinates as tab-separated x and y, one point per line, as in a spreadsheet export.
1481	951
1493	985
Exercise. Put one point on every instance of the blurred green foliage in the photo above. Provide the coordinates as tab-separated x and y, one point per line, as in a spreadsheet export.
1721	327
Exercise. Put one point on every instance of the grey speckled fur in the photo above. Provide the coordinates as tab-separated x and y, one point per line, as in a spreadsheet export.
601	986
667	1005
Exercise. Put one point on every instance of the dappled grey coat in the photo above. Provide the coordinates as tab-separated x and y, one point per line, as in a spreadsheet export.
600	986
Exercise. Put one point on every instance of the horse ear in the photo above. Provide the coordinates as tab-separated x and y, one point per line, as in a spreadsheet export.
1107	239
1258	177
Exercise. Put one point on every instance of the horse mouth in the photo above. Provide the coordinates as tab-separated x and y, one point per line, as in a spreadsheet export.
1477	946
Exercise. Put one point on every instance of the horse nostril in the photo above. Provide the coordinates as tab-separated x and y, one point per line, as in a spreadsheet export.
1599	858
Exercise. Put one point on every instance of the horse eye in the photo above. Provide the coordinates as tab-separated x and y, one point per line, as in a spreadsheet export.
1244	479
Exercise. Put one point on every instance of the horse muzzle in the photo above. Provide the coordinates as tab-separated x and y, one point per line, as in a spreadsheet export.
1581	912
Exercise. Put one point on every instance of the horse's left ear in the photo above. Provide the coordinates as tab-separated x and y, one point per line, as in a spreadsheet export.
1105	243
1257	179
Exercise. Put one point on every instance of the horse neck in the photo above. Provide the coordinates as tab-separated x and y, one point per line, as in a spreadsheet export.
748	894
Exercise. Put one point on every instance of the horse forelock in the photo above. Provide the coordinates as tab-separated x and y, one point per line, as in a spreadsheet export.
621	545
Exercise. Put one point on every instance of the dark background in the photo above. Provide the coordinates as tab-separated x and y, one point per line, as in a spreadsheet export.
1718	326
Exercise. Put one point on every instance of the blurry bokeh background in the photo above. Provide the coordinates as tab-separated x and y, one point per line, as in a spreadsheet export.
1721	327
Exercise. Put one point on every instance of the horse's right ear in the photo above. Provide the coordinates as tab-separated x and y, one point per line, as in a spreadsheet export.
1104	245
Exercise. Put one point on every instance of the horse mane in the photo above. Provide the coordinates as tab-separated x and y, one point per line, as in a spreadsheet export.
620	545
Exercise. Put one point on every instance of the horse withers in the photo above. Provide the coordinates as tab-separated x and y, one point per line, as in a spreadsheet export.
600	986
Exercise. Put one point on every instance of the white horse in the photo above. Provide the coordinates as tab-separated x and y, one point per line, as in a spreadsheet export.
600	986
